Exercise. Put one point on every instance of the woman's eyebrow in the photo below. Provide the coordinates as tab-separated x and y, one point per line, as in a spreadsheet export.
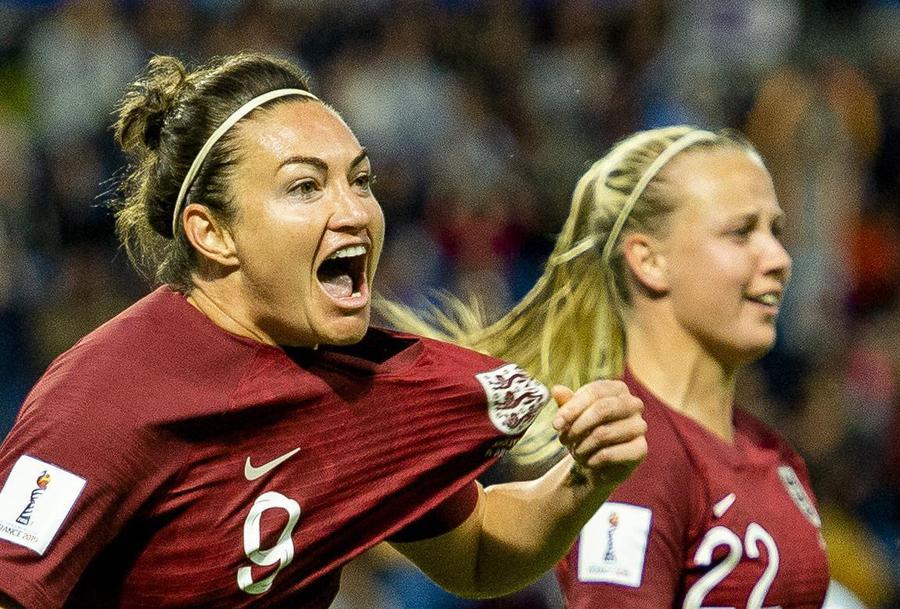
305	160
319	163
363	155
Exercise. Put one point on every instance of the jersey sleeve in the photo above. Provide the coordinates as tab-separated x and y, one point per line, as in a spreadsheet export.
70	477
463	410
630	554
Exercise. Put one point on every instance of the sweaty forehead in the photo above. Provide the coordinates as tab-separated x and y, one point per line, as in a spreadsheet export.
721	177
298	127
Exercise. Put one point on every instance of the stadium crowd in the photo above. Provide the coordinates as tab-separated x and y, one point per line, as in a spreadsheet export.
479	116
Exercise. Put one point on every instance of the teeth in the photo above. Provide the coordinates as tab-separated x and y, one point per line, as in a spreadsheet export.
768	299
348	252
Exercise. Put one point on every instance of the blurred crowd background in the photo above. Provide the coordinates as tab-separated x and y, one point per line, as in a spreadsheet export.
479	116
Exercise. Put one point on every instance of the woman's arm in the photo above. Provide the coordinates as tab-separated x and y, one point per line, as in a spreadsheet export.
520	529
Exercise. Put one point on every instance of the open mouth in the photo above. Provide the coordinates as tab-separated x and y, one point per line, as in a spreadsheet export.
343	274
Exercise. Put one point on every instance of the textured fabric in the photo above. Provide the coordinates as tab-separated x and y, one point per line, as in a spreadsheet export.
221	472
724	529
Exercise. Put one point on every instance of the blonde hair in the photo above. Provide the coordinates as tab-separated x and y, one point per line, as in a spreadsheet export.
575	307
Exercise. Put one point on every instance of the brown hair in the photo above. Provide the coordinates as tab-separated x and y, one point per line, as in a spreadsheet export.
164	119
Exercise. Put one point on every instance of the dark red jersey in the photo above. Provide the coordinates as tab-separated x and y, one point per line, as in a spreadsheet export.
163	462
702	523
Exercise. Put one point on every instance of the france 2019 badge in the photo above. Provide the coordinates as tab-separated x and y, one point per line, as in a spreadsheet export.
514	398
35	499
613	545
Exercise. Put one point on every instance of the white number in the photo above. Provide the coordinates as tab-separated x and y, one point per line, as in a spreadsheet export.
281	553
754	534
718	536
721	536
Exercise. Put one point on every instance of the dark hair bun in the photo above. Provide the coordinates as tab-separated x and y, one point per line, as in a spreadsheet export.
146	104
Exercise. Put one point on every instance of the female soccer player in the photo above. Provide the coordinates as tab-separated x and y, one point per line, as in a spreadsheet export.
235	437
669	273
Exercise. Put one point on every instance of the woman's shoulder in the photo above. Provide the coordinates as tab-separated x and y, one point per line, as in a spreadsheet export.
159	348
455	360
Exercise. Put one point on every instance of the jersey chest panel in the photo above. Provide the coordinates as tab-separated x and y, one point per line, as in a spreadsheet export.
753	545
278	496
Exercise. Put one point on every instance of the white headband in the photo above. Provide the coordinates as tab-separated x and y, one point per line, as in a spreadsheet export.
217	134
664	157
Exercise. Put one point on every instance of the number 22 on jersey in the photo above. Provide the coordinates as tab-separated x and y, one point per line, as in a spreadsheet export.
722	536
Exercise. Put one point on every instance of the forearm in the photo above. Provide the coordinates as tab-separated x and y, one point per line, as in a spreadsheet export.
528	526
519	530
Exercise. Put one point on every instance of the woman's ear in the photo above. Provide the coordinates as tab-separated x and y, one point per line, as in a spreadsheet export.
210	237
647	262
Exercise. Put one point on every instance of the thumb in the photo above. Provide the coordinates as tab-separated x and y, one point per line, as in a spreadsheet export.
561	394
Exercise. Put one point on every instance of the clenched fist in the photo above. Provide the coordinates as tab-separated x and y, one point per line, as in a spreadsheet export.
602	427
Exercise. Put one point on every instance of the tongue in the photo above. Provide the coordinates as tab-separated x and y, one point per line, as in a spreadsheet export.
338	286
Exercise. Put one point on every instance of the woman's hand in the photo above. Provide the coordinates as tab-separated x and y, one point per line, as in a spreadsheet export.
602	427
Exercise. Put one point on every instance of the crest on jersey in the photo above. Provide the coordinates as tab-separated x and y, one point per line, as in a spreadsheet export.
514	398
795	489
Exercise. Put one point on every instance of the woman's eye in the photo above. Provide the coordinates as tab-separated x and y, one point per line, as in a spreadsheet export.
742	231
778	230
304	188
365	181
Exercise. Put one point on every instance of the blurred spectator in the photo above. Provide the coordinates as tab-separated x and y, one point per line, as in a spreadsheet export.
817	130
79	59
164	27
396	98
84	295
17	361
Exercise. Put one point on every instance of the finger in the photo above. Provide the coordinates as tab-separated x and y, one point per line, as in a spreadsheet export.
606	387
573	404
628	455
617	432
562	395
601	412
604	411
593	414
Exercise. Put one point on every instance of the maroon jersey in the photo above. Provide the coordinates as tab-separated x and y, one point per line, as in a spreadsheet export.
702	523
163	462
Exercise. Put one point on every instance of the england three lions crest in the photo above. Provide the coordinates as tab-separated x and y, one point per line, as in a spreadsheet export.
514	398
796	491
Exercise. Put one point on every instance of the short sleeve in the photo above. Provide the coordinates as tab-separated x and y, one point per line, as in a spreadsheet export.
68	483
600	571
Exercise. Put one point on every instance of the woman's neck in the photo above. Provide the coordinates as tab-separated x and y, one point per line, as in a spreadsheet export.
686	377
225	312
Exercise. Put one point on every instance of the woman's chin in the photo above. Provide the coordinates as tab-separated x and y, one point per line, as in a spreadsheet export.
754	350
347	331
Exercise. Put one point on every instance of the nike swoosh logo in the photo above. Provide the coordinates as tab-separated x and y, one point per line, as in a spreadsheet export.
722	505
252	473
